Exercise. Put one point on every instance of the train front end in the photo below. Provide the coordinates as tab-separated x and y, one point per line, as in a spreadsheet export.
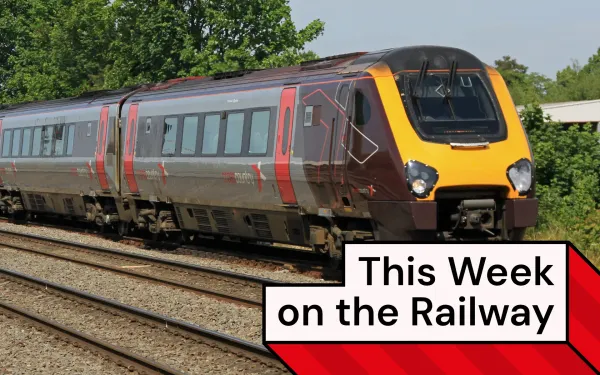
464	154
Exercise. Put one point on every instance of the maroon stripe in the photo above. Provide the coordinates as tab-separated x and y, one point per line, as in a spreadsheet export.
450	359
584	307
335	359
526	359
563	359
488	359
412	359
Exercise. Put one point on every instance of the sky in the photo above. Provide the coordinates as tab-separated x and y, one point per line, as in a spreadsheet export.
545	35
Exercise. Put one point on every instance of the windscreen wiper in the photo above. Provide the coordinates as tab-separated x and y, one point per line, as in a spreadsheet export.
450	88
418	92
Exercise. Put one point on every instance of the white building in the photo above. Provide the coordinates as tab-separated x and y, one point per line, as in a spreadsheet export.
573	112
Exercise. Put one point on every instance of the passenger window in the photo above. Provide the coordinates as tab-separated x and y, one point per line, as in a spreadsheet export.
259	132
26	142
235	131
6	143
362	108
59	145
148	125
47	140
343	96
190	133
210	141
71	139
37	142
16	143
170	136
286	132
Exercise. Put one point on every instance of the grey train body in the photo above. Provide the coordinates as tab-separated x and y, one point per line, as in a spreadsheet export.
138	158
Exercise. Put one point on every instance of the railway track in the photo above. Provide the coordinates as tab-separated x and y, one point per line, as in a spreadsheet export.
266	256
149	342
229	286
116	354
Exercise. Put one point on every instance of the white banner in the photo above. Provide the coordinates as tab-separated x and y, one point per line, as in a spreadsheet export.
429	293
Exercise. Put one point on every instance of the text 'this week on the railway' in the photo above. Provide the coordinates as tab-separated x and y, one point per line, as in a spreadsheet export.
430	293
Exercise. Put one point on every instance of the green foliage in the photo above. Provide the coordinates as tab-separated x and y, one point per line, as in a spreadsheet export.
568	175
59	48
573	83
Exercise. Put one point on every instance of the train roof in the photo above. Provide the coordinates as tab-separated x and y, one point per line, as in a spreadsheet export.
399	59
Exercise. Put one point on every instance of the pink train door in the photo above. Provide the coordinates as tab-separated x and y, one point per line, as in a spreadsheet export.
130	148
284	142
101	149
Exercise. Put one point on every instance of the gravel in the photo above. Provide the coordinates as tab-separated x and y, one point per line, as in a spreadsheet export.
207	260
25	349
225	317
148	340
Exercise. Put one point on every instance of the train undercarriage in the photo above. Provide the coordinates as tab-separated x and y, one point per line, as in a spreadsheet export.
448	219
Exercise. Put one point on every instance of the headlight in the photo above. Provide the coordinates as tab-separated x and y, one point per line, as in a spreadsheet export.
421	178
519	175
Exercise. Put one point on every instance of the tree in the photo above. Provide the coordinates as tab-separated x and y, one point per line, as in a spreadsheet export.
59	48
158	40
524	87
573	83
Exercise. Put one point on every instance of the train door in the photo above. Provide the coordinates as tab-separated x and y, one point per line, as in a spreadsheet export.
101	149
342	132
284	142
129	155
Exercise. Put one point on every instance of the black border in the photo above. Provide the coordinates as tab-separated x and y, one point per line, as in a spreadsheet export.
568	245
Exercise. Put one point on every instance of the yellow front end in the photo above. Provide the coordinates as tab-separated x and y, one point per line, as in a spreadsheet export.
456	167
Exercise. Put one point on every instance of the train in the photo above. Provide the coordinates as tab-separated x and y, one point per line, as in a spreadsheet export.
418	143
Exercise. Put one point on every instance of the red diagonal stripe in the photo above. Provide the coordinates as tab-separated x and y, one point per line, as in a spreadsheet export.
564	359
297	357
450	359
584	308
335	359
488	359
585	275
585	342
526	359
374	359
412	359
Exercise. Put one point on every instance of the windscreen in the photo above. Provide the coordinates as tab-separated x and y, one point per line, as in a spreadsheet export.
448	111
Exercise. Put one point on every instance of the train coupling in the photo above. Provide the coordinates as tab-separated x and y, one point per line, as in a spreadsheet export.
475	214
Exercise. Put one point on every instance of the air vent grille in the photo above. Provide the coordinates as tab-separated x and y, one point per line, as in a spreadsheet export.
178	214
223	220
202	220
37	202
69	206
261	226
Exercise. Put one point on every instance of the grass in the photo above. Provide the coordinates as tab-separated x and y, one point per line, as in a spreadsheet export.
560	234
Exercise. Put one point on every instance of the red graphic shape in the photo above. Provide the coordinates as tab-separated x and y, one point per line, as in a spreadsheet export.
101	149
130	147
90	170
163	171
258	177
579	355
282	156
